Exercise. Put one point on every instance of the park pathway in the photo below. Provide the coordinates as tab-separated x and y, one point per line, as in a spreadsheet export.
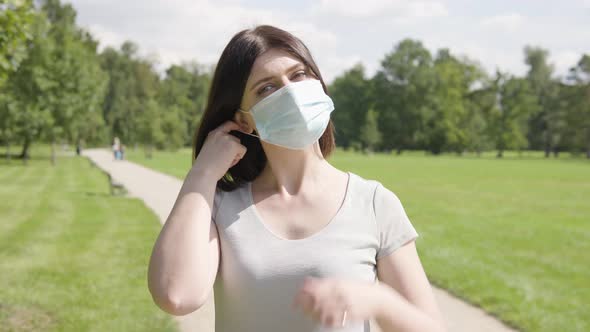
159	192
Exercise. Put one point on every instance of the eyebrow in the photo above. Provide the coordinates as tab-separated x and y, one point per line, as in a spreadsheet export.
270	77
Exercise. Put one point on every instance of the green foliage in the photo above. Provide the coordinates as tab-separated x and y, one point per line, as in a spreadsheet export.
59	87
575	105
183	93
133	85
370	135
546	122
508	118
399	90
351	95
16	17
139	107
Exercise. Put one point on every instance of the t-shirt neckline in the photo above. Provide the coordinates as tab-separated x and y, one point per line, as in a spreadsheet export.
333	220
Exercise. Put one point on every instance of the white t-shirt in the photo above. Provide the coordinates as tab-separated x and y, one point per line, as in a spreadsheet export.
260	273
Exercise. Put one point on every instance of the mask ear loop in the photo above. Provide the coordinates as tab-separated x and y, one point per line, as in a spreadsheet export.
239	109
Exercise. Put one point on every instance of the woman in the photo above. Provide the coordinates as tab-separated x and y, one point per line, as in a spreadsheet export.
287	241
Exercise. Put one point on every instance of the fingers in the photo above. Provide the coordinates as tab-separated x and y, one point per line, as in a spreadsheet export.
240	154
233	138
326	314
228	126
320	300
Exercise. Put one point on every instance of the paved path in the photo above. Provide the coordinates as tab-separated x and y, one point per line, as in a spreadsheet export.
159	192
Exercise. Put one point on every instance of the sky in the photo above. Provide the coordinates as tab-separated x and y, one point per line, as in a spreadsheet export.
342	33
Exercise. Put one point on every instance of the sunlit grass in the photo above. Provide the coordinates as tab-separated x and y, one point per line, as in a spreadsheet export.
72	257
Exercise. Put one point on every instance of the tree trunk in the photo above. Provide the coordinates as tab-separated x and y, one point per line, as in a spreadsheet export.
547	147
78	147
500	154
24	155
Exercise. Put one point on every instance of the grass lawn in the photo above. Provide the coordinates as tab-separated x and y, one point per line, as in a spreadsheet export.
510	235
72	257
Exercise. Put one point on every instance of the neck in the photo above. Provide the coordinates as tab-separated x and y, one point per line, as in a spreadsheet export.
287	170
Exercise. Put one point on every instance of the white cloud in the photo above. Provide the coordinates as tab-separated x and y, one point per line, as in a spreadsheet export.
184	30
393	9
105	36
507	22
333	65
342	33
564	60
494	59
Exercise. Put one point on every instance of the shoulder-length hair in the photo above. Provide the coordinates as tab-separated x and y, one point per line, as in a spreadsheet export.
227	88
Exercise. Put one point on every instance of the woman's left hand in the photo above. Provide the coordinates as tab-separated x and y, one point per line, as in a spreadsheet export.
325	300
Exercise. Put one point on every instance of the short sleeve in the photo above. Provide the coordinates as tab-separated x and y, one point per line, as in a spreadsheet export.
394	226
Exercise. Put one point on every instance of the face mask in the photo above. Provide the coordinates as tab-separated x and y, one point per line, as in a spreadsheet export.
295	116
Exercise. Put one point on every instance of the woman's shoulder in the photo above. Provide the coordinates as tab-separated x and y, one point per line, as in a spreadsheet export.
364	184
372	189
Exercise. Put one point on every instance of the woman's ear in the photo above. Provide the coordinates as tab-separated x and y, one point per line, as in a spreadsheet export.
241	119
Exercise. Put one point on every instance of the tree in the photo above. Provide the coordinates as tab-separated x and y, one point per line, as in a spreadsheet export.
132	86
183	94
16	20
480	104
399	90
24	115
58	83
149	130
508	119
546	123
351	96
369	134
576	104
446	119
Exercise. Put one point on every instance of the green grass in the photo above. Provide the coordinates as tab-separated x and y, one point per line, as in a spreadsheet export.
509	235
72	257
174	163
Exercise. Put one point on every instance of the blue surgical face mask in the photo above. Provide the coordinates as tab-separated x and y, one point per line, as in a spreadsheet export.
295	116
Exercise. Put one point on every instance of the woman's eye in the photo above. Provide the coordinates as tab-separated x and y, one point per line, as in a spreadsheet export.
300	74
263	90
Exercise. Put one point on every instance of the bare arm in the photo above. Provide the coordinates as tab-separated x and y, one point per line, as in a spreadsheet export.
185	257
408	300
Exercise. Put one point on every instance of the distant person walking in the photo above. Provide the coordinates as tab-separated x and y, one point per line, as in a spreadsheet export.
117	148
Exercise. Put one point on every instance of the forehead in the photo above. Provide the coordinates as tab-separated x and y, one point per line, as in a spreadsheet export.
272	62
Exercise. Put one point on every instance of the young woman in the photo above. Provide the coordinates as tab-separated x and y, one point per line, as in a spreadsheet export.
287	241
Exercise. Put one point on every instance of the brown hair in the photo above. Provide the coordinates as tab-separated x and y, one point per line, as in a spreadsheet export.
227	88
